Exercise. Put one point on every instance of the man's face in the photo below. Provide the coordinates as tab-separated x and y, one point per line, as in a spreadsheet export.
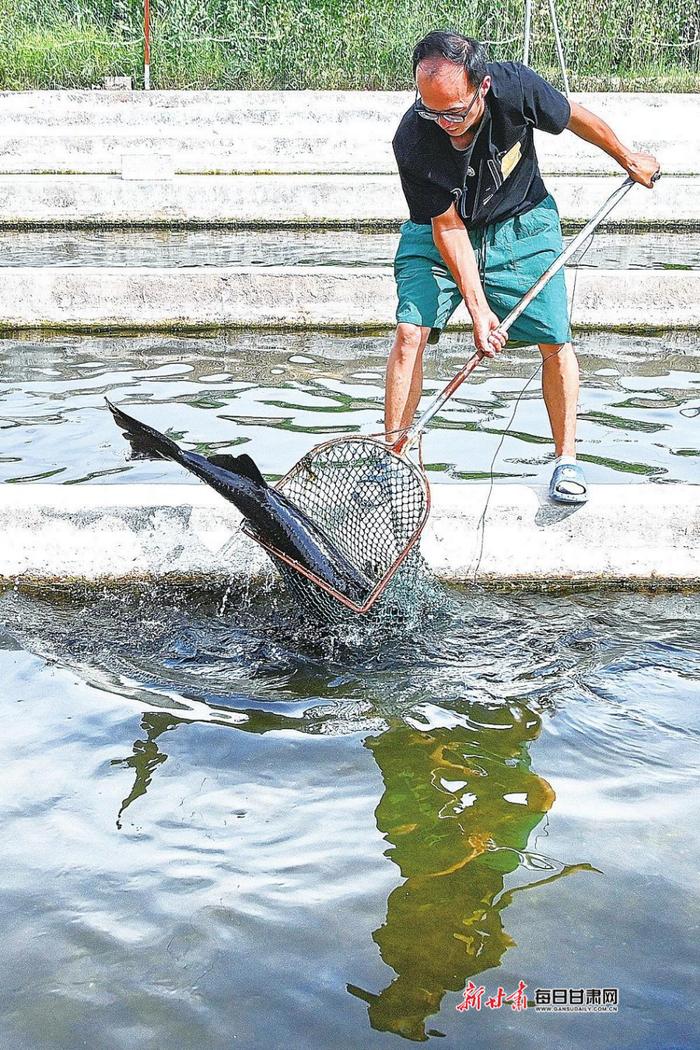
444	87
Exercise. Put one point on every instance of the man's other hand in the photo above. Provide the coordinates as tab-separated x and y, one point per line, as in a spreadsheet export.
488	338
642	167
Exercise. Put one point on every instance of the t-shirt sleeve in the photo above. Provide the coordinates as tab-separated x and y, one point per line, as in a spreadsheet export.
543	105
424	198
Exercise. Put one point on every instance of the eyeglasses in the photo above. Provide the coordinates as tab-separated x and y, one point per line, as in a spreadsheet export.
450	116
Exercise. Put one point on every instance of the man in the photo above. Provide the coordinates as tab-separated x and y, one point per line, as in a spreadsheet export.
482	226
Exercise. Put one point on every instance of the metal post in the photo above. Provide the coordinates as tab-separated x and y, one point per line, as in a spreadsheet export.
146	46
560	49
526	32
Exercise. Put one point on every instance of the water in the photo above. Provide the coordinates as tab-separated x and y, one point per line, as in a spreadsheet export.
222	829
217	247
277	395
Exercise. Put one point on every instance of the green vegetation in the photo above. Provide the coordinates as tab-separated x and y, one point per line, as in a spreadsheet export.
324	44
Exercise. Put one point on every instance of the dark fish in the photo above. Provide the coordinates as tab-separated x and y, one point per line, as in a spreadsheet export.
274	518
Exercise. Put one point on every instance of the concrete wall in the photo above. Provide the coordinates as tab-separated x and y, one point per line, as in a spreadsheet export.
301	297
290	132
299	200
626	534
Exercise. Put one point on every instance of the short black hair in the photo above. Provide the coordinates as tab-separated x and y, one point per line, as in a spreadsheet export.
462	50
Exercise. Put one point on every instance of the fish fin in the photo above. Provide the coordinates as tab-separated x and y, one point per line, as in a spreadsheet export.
238	465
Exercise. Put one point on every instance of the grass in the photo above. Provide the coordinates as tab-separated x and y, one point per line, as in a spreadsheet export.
332	44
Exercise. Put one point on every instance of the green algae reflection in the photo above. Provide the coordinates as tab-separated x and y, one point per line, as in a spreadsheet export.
459	806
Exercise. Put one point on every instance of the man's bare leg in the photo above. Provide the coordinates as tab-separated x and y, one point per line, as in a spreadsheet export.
560	386
404	376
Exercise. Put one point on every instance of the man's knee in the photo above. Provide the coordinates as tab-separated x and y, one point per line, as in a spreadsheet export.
558	351
409	342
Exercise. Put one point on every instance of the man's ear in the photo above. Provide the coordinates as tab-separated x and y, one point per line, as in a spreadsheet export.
486	84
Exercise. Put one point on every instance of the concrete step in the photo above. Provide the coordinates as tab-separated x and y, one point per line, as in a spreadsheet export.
278	297
625	535
182	108
265	108
299	200
290	132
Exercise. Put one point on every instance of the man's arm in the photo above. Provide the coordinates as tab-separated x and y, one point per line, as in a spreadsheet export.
452	241
639	166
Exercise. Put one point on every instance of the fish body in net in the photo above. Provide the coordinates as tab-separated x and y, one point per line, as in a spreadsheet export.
274	518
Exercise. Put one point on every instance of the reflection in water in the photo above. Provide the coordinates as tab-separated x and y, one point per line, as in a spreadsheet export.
146	757
460	801
459	805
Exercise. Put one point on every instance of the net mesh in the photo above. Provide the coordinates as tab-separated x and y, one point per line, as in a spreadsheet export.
372	504
411	594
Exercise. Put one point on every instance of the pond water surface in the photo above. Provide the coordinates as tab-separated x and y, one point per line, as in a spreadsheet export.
225	829
279	394
217	247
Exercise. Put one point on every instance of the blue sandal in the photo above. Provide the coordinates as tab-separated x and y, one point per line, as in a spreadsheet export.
568	474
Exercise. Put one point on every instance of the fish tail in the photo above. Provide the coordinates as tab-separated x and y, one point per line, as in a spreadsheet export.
144	438
212	469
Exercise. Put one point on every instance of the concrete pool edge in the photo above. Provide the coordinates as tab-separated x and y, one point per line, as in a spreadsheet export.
273	297
627	535
297	201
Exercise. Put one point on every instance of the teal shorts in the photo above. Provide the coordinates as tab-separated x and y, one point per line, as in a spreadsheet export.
511	255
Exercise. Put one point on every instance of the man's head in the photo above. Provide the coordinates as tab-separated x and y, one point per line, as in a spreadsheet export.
451	79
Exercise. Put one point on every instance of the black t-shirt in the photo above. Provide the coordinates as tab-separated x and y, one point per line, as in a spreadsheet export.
498	176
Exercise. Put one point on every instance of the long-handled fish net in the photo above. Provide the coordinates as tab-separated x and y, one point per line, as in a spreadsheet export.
372	499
